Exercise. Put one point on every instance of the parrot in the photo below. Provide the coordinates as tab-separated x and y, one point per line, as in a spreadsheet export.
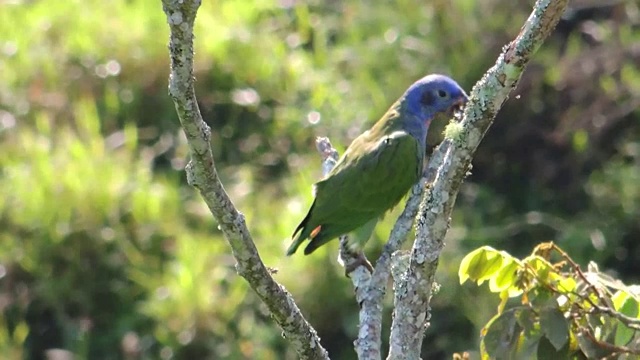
378	168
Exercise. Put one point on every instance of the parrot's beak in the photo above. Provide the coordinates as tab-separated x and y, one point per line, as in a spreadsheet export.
458	106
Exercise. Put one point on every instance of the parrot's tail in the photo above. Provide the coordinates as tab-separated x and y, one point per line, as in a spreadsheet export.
301	233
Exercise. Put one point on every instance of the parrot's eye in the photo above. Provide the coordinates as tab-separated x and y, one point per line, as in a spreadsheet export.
443	94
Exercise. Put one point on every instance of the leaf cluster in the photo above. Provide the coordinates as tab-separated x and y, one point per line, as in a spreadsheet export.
552	309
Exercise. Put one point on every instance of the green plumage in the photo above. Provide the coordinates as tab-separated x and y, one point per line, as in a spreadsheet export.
371	177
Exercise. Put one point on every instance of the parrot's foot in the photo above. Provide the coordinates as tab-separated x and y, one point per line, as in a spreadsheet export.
358	260
352	257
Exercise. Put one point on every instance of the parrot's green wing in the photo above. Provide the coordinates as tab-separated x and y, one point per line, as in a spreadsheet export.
372	176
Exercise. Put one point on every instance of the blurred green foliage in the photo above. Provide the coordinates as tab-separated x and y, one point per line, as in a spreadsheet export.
106	252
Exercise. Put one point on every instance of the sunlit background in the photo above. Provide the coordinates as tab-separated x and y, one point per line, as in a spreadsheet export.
106	252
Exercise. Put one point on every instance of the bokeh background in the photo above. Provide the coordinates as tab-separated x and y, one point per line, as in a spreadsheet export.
106	251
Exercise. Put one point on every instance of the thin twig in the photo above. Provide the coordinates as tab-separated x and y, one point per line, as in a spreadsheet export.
605	345
367	345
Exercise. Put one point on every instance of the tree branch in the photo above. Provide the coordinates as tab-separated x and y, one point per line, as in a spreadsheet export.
370	325
413	292
202	174
371	288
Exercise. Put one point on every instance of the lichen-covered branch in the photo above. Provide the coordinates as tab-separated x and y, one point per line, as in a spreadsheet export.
201	173
413	292
370	325
370	288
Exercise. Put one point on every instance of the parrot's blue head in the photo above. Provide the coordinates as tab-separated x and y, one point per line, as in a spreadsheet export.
434	94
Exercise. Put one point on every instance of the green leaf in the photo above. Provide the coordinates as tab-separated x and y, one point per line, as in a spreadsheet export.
541	266
468	263
547	350
505	277
492	264
527	320
527	346
501	336
567	285
554	326
627	305
623	334
480	264
542	298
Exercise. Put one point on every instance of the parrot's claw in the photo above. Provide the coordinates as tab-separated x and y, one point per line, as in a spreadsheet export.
358	260
352	257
